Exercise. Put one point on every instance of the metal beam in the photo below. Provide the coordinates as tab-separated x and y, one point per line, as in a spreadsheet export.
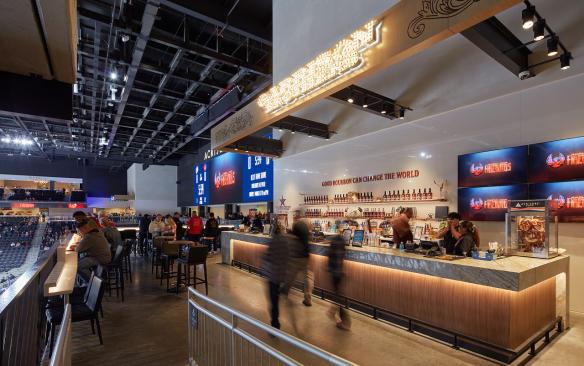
49	132
181	9
258	146
500	43
148	19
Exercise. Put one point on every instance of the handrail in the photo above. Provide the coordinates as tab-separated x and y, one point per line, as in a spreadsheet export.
305	346
62	352
26	279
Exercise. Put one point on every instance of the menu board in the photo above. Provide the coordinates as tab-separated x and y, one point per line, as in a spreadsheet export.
488	203
234	178
567	198
492	168
556	160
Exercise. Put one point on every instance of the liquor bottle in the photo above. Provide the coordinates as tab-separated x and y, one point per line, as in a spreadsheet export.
430	193
419	194
425	194
414	196
393	196
408	197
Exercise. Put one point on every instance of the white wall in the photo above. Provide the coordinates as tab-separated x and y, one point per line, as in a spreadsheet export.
154	189
546	112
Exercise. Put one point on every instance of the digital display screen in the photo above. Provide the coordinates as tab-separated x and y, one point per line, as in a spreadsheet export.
258	179
234	178
488	203
566	197
492	168
556	160
201	184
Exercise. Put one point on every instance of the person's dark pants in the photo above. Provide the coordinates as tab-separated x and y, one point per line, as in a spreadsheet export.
194	237
337	280
142	238
274	290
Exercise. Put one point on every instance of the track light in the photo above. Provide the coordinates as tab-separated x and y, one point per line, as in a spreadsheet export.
350	100
565	60
539	30
113	75
528	16
383	111
402	113
293	132
365	105
552	46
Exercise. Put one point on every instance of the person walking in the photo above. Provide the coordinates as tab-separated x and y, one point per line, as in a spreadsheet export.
143	233
299	260
274	267
212	231
336	257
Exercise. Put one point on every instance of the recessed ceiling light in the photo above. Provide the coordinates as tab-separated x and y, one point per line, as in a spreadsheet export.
423	154
350	100
113	75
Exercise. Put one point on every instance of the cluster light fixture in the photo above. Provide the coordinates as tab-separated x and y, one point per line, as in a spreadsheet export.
16	141
531	19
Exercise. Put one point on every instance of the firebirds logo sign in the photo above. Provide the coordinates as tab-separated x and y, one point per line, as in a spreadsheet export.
477	203
477	169
557	159
225	178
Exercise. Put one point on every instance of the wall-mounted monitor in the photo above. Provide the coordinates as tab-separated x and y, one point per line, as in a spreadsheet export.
492	168
234	178
566	197
488	203
556	160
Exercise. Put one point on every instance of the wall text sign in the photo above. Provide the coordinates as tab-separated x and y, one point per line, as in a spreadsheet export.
406	174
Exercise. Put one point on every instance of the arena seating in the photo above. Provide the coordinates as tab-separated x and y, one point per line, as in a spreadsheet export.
77	196
16	234
22	194
53	233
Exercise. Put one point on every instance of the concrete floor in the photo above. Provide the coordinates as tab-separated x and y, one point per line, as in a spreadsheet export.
150	328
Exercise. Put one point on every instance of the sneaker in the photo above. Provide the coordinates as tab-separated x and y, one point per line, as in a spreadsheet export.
306	302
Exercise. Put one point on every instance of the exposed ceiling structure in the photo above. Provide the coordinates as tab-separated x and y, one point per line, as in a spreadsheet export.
152	78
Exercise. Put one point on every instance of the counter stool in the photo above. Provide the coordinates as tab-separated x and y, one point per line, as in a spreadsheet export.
169	253
209	241
195	255
126	262
156	251
114	273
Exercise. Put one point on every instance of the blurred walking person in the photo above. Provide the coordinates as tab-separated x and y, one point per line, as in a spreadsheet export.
336	257
275	267
299	260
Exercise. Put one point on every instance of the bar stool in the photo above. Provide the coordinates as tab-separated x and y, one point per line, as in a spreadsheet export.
209	241
194	256
156	251
169	253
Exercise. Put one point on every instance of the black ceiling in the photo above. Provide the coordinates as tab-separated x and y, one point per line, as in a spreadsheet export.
175	61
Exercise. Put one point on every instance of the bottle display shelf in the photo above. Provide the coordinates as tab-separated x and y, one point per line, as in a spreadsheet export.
359	218
373	203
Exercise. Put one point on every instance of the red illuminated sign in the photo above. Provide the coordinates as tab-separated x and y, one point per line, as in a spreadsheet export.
76	205
22	205
488	204
477	169
223	179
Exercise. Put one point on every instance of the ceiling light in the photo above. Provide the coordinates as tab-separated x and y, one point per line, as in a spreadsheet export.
539	30
528	15
402	113
293	132
279	130
365	105
113	75
75	88
350	100
383	111
125	38
422	154
565	60
552	46
110	104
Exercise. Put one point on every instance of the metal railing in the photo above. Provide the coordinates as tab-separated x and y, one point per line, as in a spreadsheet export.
214	340
62	352
22	316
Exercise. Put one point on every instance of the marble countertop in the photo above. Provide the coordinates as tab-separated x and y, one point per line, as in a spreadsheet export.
510	273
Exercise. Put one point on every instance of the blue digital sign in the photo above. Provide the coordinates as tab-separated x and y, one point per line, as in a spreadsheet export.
566	197
258	179
201	184
488	203
234	178
492	168
556	160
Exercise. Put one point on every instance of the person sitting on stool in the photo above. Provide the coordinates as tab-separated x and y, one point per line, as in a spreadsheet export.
95	247
212	230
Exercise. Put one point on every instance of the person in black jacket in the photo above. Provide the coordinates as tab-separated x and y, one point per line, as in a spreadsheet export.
143	233
180	231
336	257
212	230
275	268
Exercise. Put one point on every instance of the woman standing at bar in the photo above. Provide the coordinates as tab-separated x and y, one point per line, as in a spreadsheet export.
468	239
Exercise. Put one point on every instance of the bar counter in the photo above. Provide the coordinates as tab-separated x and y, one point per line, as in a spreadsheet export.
503	303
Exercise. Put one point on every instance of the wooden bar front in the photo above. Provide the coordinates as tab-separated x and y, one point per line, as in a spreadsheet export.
497	316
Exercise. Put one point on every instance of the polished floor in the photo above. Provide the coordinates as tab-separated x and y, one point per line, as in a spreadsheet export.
150	328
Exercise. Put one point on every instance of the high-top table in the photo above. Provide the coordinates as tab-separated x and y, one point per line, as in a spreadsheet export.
61	280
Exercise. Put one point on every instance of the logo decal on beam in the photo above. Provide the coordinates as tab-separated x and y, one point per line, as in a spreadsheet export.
436	9
342	59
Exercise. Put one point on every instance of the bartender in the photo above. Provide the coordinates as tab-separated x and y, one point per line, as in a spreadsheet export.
451	233
402	233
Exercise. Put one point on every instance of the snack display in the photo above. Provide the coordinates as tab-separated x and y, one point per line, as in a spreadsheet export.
530	233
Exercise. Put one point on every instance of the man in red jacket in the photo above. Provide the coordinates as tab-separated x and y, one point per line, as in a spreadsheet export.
195	229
